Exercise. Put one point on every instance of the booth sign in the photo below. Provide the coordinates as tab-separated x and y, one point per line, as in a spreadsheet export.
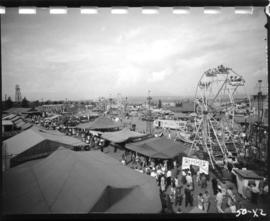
202	164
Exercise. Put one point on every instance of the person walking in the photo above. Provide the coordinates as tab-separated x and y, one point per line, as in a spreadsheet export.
206	201
200	201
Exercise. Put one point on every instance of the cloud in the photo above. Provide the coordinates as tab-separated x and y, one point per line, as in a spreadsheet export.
159	75
129	35
128	76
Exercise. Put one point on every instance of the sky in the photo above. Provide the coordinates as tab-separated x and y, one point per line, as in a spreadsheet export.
78	56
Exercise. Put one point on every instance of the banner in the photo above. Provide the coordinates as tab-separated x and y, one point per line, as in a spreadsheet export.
203	164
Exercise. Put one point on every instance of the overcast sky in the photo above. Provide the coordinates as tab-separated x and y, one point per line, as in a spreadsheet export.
79	56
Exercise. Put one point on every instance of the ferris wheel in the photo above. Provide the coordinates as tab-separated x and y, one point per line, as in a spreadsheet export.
220	95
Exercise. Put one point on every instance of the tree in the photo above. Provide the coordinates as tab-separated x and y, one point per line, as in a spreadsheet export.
25	102
8	103
159	104
36	103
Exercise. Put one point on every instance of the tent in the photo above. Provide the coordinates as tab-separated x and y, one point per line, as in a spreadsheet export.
158	147
78	182
101	123
33	143
121	136
243	177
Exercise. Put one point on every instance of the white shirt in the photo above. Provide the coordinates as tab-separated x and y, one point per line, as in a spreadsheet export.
169	173
163	169
153	174
233	208
189	179
219	197
176	182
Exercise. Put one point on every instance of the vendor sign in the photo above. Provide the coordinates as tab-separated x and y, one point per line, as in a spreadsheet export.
202	164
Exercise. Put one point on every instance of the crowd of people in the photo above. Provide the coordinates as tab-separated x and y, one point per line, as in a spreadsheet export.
177	186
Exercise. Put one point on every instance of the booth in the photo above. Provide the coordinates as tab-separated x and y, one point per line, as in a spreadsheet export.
243	178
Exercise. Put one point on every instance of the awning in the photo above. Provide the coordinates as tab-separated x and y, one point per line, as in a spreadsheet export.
7	123
121	136
101	123
159	147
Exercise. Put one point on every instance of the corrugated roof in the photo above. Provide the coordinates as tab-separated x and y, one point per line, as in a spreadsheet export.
78	182
26	126
16	118
9	117
247	174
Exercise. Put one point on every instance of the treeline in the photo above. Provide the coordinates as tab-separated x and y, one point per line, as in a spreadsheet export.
9	103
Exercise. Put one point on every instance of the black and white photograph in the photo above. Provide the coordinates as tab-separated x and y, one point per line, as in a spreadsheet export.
134	111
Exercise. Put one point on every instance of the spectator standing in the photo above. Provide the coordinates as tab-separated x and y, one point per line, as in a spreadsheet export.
188	196
215	186
206	201
203	181
162	184
169	177
178	197
189	179
219	199
254	194
169	208
231	196
198	178
184	177
172	195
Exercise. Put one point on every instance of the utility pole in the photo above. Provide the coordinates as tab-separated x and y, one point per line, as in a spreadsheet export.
148	116
259	121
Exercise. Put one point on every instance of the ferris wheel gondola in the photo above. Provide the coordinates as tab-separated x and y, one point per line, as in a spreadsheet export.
215	108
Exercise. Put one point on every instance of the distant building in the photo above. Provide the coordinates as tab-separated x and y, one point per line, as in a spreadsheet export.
52	108
186	107
18	96
170	104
